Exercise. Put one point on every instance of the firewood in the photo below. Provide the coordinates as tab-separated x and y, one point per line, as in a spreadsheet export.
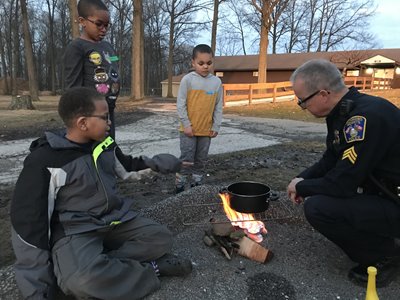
208	241
254	251
219	244
222	229
237	235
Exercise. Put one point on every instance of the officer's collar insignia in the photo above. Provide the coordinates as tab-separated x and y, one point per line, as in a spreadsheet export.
337	138
354	129
350	154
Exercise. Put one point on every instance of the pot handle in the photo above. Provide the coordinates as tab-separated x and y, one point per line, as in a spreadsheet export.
223	190
274	196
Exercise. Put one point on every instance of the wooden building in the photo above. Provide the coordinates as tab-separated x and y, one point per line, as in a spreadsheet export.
379	63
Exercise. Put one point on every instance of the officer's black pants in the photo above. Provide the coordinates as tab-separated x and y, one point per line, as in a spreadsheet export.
363	226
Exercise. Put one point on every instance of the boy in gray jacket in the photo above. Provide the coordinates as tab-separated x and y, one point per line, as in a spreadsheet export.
69	221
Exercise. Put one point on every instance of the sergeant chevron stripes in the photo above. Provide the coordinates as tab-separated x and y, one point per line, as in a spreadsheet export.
350	154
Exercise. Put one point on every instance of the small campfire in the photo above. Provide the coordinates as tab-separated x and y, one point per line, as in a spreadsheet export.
254	229
242	235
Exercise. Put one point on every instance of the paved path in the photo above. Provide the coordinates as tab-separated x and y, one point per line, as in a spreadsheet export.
158	134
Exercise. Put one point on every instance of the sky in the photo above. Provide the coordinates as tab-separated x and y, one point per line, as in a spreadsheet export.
385	24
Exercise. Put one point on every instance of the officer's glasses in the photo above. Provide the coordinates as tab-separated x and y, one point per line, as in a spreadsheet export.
302	102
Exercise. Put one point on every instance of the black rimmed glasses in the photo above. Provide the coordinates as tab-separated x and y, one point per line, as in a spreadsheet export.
99	24
105	117
302	102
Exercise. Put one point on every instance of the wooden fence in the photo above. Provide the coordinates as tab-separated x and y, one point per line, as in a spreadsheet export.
251	93
369	83
258	92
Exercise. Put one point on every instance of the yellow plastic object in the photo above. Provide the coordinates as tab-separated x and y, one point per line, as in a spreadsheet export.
371	286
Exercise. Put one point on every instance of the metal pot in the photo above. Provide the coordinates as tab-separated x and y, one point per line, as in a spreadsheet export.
249	196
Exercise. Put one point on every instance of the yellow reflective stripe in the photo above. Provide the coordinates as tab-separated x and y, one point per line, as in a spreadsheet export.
100	148
115	223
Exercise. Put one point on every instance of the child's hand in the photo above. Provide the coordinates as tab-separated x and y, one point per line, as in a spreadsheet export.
213	133
188	131
164	163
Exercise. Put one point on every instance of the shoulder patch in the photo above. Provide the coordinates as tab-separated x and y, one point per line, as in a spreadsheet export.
354	129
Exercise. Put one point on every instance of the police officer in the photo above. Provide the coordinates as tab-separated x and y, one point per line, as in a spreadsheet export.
352	194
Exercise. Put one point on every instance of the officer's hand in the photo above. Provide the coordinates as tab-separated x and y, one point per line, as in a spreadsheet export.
292	192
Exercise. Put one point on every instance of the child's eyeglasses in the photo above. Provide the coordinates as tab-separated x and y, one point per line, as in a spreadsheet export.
105	117
99	24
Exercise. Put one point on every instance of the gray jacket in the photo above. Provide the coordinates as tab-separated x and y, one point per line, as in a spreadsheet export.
65	189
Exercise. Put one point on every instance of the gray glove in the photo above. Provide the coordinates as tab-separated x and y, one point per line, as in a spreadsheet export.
164	163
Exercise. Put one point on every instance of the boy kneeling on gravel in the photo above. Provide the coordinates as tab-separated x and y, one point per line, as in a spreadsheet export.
69	221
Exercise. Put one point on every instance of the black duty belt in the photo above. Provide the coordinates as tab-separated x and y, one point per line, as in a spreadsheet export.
390	189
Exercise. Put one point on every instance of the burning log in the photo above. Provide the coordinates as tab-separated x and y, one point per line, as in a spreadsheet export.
237	241
241	234
250	249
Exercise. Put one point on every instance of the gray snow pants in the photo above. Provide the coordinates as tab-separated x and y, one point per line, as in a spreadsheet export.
112	263
194	153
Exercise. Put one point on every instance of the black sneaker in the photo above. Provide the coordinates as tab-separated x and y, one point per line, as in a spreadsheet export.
387	268
171	265
179	189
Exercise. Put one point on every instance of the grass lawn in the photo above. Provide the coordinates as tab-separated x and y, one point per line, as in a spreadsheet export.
290	109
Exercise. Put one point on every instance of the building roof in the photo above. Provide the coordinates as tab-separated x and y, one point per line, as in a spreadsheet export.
290	61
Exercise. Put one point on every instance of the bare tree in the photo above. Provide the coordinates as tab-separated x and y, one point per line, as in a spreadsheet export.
32	76
334	24
121	36
15	47
73	13
215	24
285	25
292	19
348	59
51	6
181	26
137	84
235	29
3	45
155	21
266	9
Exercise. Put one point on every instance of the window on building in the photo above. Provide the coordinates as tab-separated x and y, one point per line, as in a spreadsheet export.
353	73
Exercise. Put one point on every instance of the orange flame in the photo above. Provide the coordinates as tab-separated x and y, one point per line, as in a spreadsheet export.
242	220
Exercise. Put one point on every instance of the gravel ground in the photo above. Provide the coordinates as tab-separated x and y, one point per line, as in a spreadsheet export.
305	266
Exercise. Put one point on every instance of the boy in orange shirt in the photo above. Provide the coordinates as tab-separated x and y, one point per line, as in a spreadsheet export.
199	106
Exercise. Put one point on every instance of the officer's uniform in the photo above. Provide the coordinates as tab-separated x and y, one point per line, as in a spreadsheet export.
354	190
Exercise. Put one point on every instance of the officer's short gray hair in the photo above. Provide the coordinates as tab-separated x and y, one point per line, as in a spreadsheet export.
319	74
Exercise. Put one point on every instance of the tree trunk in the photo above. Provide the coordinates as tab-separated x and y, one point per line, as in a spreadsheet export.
262	58
4	67
33	83
214	26
15	38
171	54
52	46
73	12
21	102
137	53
